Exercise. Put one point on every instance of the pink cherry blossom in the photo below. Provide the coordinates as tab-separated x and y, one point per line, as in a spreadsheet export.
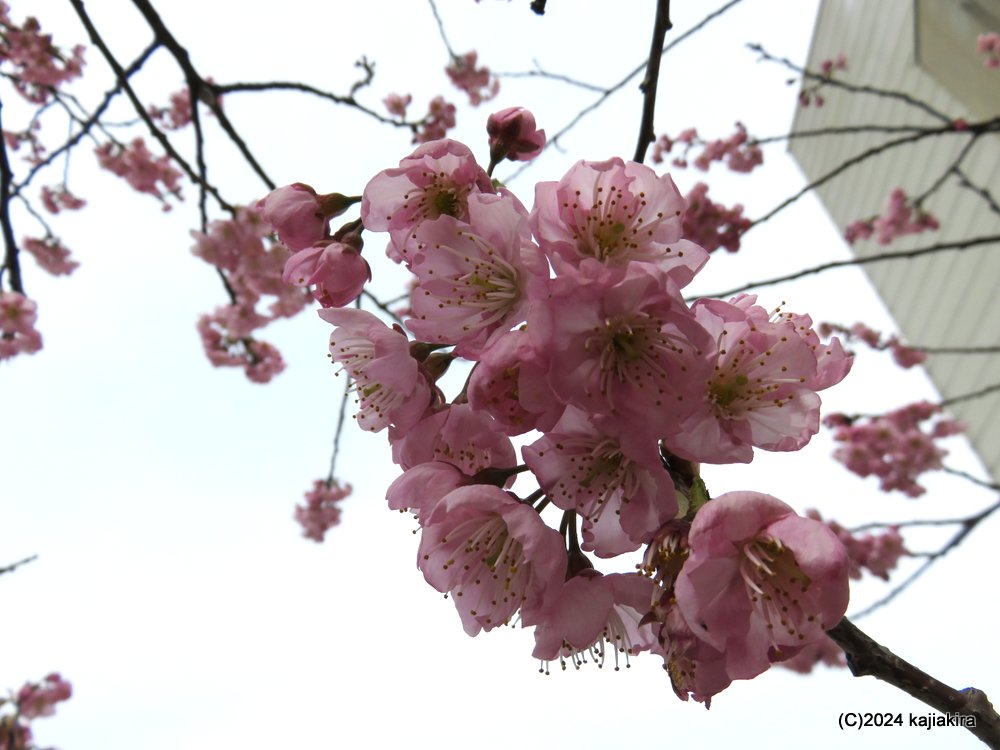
988	44
296	213
473	278
878	553
613	213
18	315
386	381
336	269
58	198
612	479
476	82
177	115
134	163
901	217
440	118
260	361
321	511
761	582
711	225
590	614
627	348
39	65
762	390
396	104
510	383
39	699
894	446
513	135
492	553
435	180
51	255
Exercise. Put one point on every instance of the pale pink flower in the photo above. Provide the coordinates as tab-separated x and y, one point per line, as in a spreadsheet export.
711	225
509	382
610	475
762	390
155	176
336	269
440	118
51	255
321	511
696	668
296	213
590	614
419	488
630	348
476	82
878	553
39	65
58	198
177	115
513	135
473	278
39	699
492	553
456	434
988	44
761	582
901	217
396	104
435	180
387	384
613	213
18	315
224	348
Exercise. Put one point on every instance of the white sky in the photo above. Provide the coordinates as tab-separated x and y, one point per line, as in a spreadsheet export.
172	587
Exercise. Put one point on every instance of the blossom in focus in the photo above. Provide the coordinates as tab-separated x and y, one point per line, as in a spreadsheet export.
761	582
335	269
321	511
296	214
513	135
388	386
492	553
592	613
435	180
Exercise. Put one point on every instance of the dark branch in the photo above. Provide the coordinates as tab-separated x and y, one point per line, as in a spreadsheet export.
867	657
14	566
877	258
661	25
11	264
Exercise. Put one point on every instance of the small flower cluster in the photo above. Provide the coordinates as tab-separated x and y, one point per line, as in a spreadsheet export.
810	94
153	175
478	83
177	115
39	65
252	266
896	447
440	118
321	511
18	315
988	44
903	355
32	701
900	217
711	224
50	254
736	152
573	315
58	198
877	553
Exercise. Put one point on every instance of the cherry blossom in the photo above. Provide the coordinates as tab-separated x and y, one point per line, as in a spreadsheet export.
761	582
58	198
396	104
321	511
491	553
39	699
988	44
50	254
336	269
878	553
901	217
513	135
711	225
386	380
18	315
134	163
476	82
39	65
440	118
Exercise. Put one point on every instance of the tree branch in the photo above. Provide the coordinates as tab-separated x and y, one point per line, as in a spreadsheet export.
867	657
647	134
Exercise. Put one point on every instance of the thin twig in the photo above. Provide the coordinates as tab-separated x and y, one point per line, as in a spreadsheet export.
14	566
982	192
540	72
915	253
440	25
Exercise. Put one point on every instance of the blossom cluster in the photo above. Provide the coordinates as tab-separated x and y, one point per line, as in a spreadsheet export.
32	701
896	447
876	553
146	173
988	44
711	224
811	94
902	216
18	335
321	511
573	315
252	266
737	151
38	64
477	82
903	355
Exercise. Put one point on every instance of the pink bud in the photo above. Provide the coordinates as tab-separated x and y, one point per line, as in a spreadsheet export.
513	135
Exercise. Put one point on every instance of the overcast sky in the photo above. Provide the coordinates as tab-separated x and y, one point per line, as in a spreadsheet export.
173	588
